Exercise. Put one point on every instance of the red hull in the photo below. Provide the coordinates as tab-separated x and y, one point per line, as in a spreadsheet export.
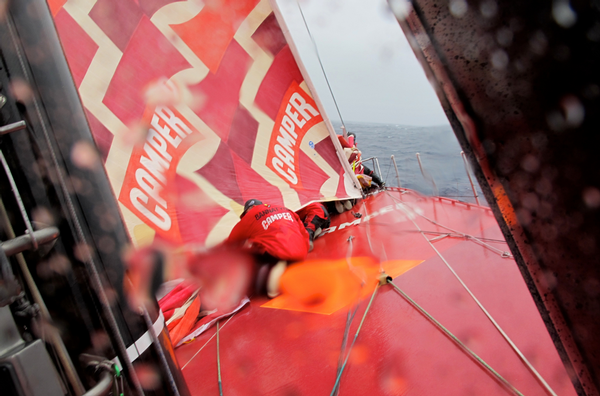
267	351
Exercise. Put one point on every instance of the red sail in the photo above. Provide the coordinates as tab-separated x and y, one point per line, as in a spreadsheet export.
198	108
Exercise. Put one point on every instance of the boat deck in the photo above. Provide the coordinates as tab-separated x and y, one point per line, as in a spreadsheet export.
289	347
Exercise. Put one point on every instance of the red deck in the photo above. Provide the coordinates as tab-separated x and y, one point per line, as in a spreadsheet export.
281	351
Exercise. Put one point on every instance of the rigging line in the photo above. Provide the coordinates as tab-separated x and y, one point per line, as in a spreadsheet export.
206	343
55	358
349	319
458	232
489	316
478	240
321	64
454	338
219	363
337	380
468	236
159	348
377	222
502	253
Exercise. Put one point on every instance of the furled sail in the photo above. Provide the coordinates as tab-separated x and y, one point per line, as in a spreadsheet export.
197	108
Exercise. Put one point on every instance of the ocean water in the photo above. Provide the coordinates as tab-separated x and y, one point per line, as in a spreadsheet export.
439	151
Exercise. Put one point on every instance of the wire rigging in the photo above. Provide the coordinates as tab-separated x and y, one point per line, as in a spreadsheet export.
405	209
349	319
206	343
321	64
219	363
475	239
454	338
337	380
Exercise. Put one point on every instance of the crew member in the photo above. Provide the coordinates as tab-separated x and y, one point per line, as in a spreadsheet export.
354	157
315	217
275	235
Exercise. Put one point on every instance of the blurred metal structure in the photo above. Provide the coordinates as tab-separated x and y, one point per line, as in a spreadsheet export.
82	302
396	168
427	176
519	83
462	154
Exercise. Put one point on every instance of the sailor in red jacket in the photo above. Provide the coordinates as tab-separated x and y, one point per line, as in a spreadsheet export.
271	229
273	233
316	218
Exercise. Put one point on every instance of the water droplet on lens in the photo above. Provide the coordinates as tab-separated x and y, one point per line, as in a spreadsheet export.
458	8
591	197
538	43
488	8
400	8
499	59
563	13
574	111
504	37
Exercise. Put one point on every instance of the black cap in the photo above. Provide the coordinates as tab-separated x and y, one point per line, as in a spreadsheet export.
250	203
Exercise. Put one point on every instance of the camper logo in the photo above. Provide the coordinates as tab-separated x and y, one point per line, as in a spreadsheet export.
152	167
297	114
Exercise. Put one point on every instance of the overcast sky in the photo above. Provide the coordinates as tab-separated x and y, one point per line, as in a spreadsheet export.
373	72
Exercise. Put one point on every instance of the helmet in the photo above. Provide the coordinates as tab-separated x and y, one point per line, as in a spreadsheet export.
250	203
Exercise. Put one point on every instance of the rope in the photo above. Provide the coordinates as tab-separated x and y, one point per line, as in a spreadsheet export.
206	343
455	339
476	240
337	380
219	363
159	350
442	235
489	316
321	64
460	235
349	319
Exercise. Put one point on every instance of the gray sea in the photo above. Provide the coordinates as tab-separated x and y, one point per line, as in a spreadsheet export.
439	152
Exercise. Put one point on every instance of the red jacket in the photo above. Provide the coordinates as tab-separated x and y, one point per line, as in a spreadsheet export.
274	230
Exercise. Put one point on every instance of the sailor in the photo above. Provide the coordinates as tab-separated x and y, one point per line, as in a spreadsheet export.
275	235
315	218
363	169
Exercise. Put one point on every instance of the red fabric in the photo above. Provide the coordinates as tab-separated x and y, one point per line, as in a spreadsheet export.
355	157
308	214
182	327
272	229
356	154
343	142
176	298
